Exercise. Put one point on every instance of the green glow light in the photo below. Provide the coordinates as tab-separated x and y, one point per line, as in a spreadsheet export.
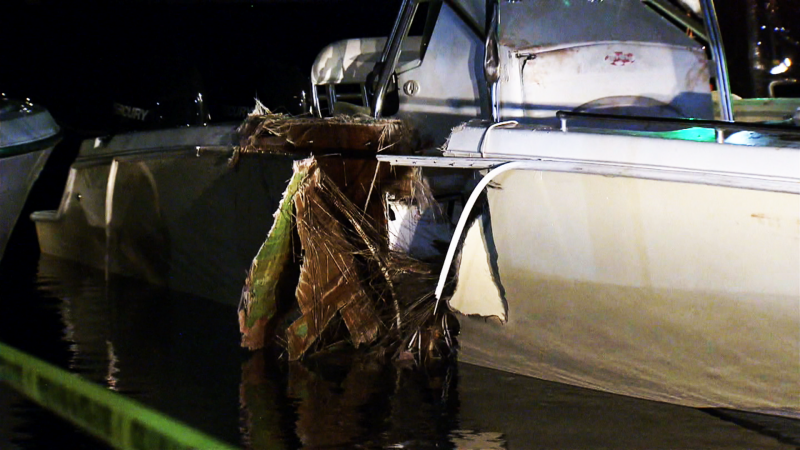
688	134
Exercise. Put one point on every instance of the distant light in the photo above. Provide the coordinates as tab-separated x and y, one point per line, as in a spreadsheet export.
782	67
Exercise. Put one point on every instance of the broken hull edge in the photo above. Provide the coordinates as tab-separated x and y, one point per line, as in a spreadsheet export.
676	292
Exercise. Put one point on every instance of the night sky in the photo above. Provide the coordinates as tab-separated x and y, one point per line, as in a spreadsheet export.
73	57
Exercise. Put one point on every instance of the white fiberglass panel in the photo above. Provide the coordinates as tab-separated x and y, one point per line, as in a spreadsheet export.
677	292
634	78
448	87
646	233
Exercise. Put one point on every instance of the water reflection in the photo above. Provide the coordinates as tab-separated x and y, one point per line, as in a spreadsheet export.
180	355
174	352
345	399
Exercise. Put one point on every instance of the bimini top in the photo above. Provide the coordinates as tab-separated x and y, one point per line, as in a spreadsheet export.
351	60
25	127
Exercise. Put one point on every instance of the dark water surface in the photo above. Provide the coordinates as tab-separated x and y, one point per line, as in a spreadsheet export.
180	355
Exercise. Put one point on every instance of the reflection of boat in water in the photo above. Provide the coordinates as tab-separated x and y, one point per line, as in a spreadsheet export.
27	136
177	353
159	347
619	246
340	403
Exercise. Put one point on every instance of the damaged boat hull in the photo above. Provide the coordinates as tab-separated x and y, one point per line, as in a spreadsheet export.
663	269
676	292
171	207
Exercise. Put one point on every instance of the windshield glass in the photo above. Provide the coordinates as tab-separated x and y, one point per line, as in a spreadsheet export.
549	23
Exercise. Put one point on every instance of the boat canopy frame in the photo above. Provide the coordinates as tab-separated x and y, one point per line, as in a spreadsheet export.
385	68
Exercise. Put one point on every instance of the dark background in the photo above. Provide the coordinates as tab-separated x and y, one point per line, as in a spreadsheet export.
73	56
78	58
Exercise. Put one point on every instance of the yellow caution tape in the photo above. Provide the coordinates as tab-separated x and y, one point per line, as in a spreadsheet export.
121	422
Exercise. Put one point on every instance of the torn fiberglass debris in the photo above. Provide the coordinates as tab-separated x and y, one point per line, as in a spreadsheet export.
351	286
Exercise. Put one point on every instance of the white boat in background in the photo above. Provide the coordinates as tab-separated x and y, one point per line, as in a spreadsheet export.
27	136
626	242
167	206
164	200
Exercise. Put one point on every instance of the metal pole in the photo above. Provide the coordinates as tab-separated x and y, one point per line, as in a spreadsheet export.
395	27
391	53
718	53
491	59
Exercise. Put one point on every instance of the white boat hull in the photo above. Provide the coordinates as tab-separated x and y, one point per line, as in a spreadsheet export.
19	172
167	207
678	292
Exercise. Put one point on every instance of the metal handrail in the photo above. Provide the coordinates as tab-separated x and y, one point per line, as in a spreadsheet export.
774	83
391	53
718	53
491	61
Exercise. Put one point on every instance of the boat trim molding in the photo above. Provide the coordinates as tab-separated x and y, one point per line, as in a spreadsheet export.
741	181
30	147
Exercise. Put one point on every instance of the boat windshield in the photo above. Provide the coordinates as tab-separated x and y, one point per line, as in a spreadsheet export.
529	25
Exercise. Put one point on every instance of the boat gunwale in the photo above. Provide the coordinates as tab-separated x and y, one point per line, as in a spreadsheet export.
31	146
668	174
167	151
